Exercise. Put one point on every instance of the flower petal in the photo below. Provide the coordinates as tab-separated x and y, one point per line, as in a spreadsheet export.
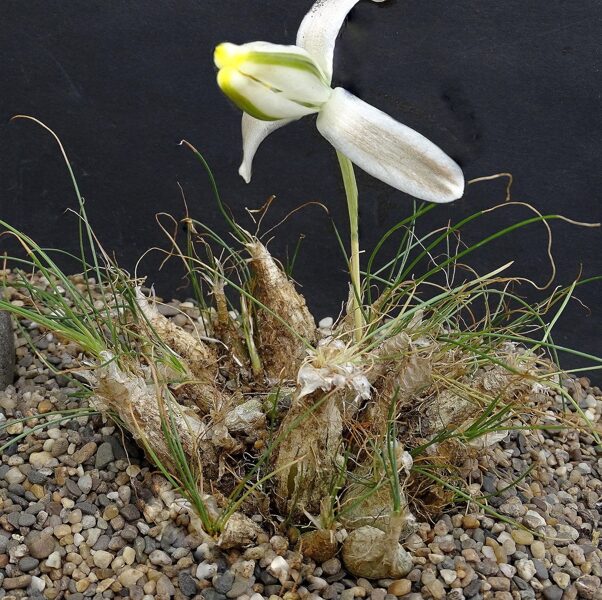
254	132
319	29
388	150
287	71
259	99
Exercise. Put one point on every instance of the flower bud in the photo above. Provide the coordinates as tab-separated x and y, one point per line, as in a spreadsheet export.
271	82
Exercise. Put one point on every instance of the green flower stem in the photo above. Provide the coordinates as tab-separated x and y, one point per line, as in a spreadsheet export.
354	264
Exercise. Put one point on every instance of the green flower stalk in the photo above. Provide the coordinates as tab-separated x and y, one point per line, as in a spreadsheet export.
275	84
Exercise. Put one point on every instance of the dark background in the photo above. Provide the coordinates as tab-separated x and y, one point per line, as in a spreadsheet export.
508	86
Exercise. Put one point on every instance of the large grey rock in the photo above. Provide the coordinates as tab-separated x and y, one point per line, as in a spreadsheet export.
7	350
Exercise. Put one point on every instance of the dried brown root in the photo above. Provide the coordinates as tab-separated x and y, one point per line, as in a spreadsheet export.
451	407
198	358
279	339
400	385
138	406
308	457
226	330
371	553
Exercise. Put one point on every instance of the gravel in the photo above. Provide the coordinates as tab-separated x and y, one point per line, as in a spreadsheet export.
83	517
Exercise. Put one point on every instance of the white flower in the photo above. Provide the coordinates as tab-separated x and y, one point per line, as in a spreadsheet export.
276	84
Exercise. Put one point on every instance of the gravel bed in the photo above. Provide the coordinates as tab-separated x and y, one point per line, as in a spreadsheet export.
83	515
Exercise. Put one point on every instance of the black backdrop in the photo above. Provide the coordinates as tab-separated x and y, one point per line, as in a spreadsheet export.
507	86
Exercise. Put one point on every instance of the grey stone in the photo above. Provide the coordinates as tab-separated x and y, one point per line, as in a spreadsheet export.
172	537
540	570
552	592
59	447
26	519
130	513
267	578
223	583
28	563
116	446
473	588
35	508
102	543
487	567
88	508
7	350
240	586
13	519
212	594
104	455
332	566
489	484
36	477
186	584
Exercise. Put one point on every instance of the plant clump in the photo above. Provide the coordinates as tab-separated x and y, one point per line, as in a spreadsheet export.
336	435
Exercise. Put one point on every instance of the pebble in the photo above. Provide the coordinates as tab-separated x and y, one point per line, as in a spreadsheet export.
54	560
553	592
538	549
85	484
523	537
240	586
42	460
129	577
28	563
331	566
562	579
14	476
84	453
165	588
16	583
158	557
206	570
187	584
525	569
40	545
400	587
102	559
533	520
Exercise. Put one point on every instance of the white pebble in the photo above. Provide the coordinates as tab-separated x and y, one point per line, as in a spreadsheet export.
54	560
37	584
41	460
206	570
129	555
279	568
448	575
526	569
102	558
85	483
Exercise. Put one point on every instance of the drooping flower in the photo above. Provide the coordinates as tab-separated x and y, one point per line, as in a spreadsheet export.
276	84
